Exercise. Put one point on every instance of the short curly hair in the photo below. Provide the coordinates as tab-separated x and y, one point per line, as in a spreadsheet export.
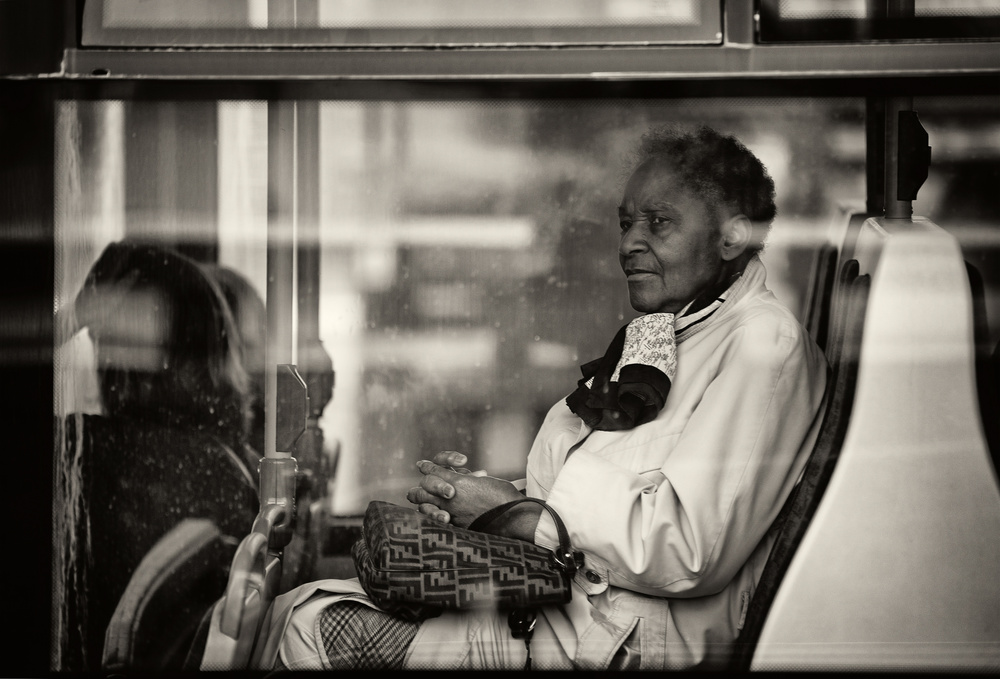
717	167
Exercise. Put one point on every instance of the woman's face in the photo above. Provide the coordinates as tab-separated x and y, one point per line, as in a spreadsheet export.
670	248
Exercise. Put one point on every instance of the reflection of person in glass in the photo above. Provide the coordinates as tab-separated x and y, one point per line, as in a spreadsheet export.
175	401
668	463
250	318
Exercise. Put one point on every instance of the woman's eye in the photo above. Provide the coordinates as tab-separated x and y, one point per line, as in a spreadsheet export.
659	219
625	224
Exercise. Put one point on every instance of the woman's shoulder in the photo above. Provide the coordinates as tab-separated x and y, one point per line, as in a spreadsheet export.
764	313
767	331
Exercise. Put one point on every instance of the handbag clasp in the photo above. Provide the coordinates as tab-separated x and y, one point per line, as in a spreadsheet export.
567	561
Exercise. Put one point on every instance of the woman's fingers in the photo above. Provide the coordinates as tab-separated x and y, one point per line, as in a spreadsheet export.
419	496
434	512
454	461
433	480
450	458
425	504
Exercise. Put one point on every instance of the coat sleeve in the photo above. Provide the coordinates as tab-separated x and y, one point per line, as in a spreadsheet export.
687	530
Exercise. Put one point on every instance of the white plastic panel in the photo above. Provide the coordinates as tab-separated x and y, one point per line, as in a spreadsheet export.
900	568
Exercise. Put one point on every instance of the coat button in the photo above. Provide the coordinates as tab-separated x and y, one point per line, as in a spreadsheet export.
593	577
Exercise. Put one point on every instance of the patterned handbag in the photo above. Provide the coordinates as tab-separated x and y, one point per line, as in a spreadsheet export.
415	566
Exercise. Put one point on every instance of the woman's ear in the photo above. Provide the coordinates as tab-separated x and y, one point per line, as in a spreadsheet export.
735	237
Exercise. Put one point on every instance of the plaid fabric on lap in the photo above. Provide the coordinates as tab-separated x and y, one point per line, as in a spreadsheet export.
356	636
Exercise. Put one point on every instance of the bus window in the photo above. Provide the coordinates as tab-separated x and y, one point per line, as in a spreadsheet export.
468	248
466	267
470	266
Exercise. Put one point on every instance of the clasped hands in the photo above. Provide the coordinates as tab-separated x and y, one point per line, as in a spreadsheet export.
451	493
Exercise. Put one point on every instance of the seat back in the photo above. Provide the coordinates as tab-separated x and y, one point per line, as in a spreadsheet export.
817	316
882	560
987	367
799	508
155	621
834	317
825	284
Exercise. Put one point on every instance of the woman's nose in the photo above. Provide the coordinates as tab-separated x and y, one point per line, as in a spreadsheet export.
632	240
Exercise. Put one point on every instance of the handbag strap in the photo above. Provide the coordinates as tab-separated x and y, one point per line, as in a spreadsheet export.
565	558
522	620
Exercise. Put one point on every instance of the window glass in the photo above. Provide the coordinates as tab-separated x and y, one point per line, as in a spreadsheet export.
468	248
399	22
859	9
865	21
466	338
385	13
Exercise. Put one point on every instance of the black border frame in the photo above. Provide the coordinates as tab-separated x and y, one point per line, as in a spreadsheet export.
36	72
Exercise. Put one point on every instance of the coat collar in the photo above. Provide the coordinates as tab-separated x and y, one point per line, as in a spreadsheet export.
753	277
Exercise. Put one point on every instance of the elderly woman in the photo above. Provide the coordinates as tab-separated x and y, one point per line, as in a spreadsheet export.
668	463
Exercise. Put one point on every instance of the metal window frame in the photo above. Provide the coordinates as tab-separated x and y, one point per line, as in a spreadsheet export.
739	64
726	62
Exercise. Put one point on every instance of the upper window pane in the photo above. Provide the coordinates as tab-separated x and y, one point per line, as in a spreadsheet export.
859	9
864	20
398	22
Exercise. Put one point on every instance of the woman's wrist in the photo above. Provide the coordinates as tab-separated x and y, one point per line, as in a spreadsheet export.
518	522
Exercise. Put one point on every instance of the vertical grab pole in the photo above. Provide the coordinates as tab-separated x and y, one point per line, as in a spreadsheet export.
315	364
278	467
894	207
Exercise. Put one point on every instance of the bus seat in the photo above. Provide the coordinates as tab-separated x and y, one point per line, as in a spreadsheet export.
837	249
801	504
840	310
301	558
255	577
987	366
254	581
820	293
849	237
177	581
990	407
897	565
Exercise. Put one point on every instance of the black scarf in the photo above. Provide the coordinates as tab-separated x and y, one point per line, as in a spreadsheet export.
612	398
617	392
